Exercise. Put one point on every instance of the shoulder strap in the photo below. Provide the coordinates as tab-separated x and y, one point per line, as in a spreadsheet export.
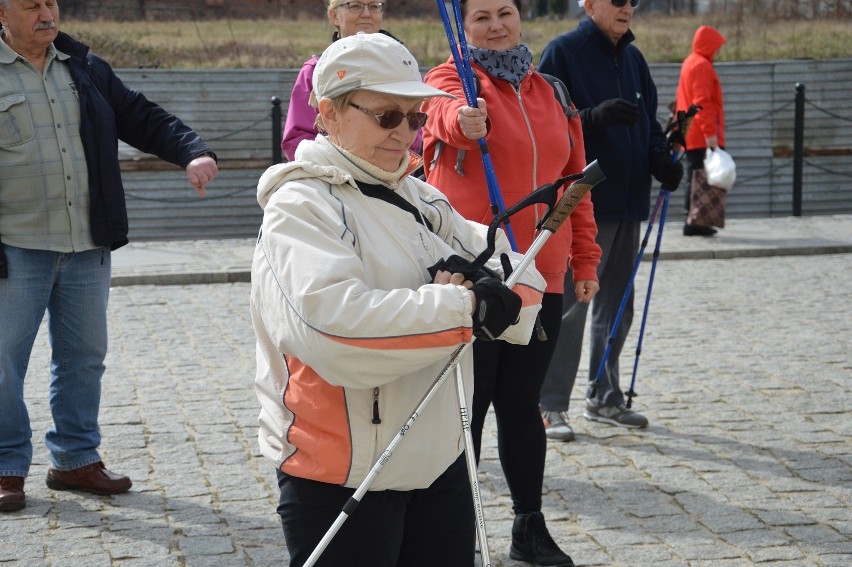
560	91
384	194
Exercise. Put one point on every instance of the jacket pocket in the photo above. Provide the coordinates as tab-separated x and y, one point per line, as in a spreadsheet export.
16	123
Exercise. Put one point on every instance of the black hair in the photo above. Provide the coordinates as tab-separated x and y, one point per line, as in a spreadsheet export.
463	6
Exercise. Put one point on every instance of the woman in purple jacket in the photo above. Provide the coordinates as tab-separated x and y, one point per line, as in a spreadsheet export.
347	18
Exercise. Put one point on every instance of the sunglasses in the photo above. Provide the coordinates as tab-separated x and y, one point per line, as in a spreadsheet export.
621	3
390	119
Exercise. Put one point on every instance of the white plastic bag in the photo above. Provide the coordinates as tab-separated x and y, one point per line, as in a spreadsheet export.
720	168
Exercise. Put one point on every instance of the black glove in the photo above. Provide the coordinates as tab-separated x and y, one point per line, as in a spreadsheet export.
666	172
497	307
455	264
612	112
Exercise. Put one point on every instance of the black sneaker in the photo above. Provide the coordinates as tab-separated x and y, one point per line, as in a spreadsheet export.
615	415
531	542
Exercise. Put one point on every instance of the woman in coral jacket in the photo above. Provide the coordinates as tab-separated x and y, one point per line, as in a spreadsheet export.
699	84
532	142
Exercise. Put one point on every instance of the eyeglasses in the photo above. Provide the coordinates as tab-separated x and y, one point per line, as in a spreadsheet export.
358	7
621	3
390	119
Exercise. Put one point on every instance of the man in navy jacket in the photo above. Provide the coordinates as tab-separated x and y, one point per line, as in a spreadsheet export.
610	83
62	212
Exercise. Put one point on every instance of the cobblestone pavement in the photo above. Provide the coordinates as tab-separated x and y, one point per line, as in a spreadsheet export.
745	375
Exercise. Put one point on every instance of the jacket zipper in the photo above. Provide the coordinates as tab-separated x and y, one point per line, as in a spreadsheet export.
534	146
376	419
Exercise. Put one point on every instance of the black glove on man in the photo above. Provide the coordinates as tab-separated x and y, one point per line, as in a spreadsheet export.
612	112
497	307
666	172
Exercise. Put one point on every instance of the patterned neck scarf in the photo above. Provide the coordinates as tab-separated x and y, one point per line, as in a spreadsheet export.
508	64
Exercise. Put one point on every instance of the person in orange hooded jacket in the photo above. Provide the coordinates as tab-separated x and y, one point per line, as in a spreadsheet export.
531	142
699	84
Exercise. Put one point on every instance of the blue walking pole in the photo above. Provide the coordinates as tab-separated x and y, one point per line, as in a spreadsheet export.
629	289
676	136
461	58
631	392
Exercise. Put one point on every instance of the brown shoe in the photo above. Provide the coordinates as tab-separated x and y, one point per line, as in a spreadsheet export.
94	478
12	493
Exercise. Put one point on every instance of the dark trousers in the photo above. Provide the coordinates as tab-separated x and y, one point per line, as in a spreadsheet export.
510	377
389	528
619	242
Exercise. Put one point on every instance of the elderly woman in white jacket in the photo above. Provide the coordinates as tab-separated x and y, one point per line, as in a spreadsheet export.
352	330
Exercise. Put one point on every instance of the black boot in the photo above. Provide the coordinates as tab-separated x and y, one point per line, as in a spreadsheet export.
531	542
698	230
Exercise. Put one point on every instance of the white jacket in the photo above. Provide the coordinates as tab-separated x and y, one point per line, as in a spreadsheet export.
351	333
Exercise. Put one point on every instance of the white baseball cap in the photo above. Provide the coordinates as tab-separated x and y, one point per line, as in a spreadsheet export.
373	62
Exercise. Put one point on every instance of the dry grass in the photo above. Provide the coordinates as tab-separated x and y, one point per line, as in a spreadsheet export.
287	43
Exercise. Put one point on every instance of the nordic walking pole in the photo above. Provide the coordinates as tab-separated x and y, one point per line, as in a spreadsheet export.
676	136
631	393
626	296
461	58
591	176
473	476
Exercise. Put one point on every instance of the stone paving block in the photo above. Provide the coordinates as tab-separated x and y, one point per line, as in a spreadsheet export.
151	562
100	560
193	546
216	561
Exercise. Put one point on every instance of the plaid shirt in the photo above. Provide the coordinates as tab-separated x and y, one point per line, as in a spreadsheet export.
44	185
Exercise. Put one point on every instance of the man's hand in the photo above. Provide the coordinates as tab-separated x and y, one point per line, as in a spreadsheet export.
611	112
666	172
201	171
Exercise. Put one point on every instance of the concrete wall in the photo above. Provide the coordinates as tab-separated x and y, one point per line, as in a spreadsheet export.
231	109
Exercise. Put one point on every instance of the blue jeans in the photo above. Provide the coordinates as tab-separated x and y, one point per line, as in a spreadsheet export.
73	288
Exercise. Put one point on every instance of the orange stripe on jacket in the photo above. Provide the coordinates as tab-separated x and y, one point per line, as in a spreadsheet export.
320	430
447	338
529	296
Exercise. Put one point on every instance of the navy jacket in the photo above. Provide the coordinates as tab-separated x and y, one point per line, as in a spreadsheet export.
594	69
109	111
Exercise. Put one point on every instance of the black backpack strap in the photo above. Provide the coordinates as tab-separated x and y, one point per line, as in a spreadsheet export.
385	194
560	91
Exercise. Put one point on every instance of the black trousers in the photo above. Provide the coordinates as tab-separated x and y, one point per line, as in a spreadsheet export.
510	377
389	528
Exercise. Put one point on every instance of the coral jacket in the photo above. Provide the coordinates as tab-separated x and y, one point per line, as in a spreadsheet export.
531	143
699	84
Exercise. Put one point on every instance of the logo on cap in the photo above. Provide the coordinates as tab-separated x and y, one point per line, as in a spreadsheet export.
341	74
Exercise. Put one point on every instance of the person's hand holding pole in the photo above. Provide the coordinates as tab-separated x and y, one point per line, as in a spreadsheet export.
473	119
